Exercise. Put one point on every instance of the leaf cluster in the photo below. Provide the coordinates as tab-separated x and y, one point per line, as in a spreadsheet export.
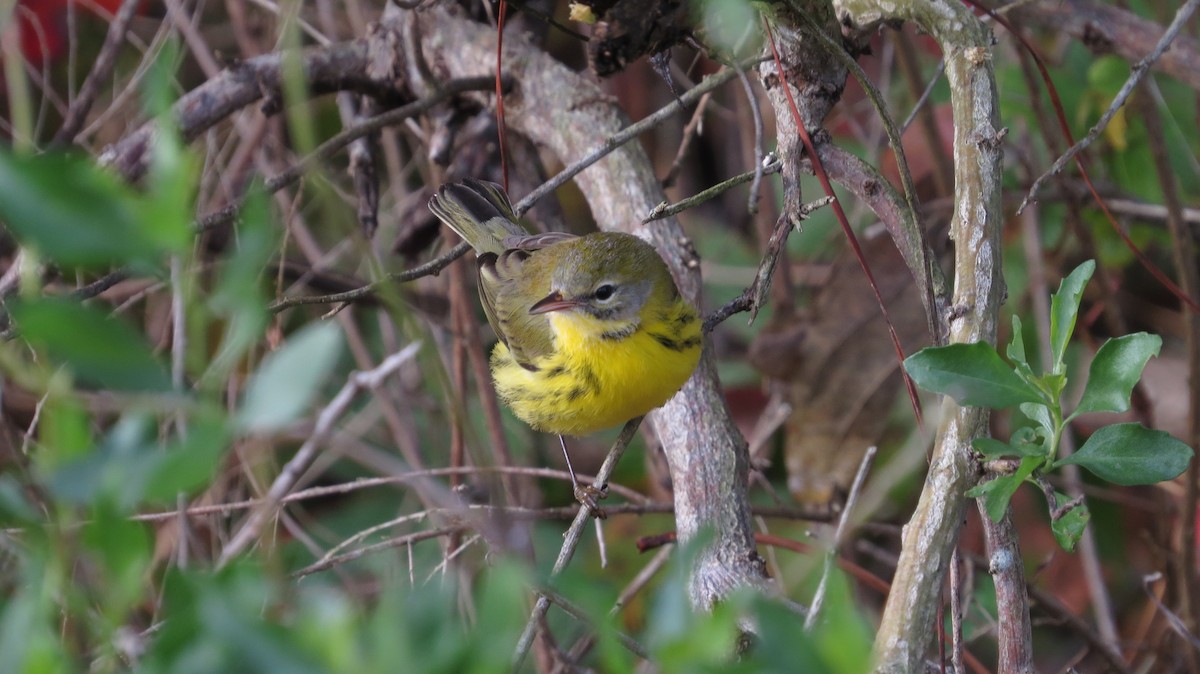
1125	454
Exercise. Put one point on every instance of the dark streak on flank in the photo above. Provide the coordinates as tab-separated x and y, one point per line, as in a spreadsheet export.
523	393
685	318
576	393
590	380
667	342
557	371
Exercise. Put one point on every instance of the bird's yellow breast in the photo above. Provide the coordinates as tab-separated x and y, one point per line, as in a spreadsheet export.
596	377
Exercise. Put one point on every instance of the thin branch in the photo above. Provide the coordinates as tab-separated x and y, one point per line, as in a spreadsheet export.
1137	72
385	545
571	539
581	615
624	136
431	268
358	381
839	534
1052	606
924	98
664	210
77	113
348	135
1173	620
689	133
760	162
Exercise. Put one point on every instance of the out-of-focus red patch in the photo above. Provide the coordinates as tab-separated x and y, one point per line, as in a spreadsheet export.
43	25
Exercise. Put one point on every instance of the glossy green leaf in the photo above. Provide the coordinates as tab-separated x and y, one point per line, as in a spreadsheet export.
102	351
991	447
1069	527
289	379
1021	444
1064	309
971	374
1114	372
77	214
1131	454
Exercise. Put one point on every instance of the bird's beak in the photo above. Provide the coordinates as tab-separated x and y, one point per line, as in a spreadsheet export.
553	302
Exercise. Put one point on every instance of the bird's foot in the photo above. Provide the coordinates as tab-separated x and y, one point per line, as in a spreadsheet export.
588	495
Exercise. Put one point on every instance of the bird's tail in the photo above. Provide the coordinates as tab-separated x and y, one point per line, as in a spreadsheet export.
479	212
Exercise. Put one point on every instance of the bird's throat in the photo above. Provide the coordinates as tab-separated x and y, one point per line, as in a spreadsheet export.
572	327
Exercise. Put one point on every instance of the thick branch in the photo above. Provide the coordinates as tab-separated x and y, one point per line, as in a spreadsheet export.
930	536
338	67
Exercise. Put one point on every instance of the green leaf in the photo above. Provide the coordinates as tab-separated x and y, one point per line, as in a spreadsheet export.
77	214
15	507
1021	444
1114	372
1069	528
123	551
971	374
102	351
1064	309
999	491
239	297
189	464
1016	346
1039	413
991	447
1131	454
288	380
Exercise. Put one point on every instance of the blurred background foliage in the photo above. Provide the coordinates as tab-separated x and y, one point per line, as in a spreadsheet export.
144	422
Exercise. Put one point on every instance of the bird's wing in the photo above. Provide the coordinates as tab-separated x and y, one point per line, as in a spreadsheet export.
509	284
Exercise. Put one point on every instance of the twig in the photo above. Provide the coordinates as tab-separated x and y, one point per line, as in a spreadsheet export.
385	545
1184	246
1107	649
664	211
431	268
348	135
358	381
624	136
736	305
759	159
864	467
1173	620
843	221
1137	72
100	285
752	296
956	610
581	615
689	132
639	581
77	113
912	115
571	539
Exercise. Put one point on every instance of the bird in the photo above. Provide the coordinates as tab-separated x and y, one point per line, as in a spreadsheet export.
592	330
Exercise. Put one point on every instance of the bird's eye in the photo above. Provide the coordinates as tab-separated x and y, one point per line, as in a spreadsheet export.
605	291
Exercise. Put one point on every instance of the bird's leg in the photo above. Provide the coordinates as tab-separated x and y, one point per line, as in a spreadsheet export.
585	494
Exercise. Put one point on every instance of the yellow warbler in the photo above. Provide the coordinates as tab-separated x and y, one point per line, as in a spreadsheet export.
593	331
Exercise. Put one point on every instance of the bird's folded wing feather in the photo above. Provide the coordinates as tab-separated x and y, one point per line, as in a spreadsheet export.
509	285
